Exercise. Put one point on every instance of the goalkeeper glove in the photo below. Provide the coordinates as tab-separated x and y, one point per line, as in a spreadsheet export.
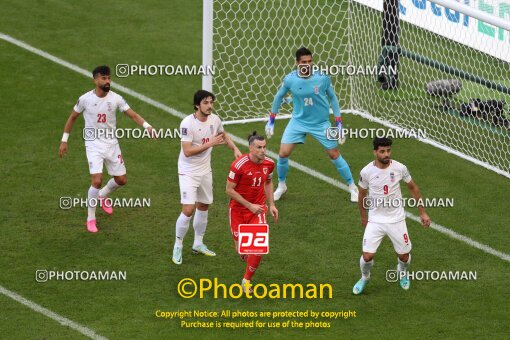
341	137
270	125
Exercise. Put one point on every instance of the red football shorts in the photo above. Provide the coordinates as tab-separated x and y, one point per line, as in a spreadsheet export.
243	216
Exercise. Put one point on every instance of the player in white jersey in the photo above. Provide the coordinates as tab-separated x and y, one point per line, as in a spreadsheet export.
99	107
386	216
200	132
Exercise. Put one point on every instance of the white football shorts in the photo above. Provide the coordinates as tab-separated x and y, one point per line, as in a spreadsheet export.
397	232
109	155
196	189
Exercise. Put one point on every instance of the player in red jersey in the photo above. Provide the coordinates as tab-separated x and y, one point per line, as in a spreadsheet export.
249	183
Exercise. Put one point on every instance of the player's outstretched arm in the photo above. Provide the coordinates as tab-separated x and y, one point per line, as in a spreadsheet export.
333	100
335	105
62	150
231	145
415	191
140	121
230	190
269	191
361	205
275	108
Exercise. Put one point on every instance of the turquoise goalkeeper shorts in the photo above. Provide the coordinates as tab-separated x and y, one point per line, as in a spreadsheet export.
296	132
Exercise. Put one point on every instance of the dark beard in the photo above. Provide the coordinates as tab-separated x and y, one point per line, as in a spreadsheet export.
105	88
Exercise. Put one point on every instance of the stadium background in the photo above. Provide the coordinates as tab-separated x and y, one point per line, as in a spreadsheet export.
318	237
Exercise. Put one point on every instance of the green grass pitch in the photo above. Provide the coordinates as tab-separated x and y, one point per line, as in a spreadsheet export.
318	238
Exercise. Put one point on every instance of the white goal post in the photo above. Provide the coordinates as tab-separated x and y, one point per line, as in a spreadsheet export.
431	44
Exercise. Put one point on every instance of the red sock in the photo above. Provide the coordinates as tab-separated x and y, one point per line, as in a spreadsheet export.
251	265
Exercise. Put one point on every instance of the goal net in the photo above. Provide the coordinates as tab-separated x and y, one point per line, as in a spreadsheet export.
254	43
415	65
464	61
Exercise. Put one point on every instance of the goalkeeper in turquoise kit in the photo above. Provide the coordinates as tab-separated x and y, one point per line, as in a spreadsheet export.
312	94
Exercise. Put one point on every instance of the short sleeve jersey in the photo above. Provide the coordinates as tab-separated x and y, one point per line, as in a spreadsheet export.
100	114
250	178
385	184
198	133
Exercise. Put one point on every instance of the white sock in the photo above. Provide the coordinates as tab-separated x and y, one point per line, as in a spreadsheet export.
282	185
110	187
352	187
402	266
199	224
365	268
181	228
91	203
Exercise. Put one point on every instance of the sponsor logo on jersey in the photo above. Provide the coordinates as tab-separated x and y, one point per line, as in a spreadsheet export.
249	173
232	175
316	90
211	129
392	176
184	131
110	107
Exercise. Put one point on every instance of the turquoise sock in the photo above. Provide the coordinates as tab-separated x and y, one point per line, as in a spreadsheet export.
343	169
283	167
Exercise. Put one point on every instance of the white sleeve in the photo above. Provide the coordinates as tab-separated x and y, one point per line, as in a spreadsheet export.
220	126
122	104
79	107
363	180
406	176
186	133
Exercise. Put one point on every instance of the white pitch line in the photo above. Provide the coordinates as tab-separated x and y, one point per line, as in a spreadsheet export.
460	237
60	319
305	169
86	73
